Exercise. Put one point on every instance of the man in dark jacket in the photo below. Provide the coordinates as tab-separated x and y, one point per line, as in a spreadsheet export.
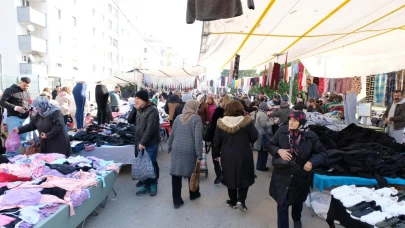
55	92
147	136
16	100
394	117
171	105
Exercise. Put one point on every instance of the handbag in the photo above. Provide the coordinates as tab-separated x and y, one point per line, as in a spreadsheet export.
142	167
33	149
195	177
279	162
251	4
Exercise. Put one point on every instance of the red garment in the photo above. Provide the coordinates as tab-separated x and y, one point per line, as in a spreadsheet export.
275	79
6	177
321	85
301	70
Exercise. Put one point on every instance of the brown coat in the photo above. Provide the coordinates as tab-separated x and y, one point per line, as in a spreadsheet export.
203	113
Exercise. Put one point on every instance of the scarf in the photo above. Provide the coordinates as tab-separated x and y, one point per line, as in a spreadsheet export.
190	109
296	134
44	106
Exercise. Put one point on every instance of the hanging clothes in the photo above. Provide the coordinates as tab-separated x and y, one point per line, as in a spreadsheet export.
339	86
326	85
269	73
281	74
301	70
370	83
379	89
222	81
275	78
321	85
346	85
349	107
264	77
230	77
390	88
315	80
286	67
248	81
236	67
210	10
355	85
400	79
332	83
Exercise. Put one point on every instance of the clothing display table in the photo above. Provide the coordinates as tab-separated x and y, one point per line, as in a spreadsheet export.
337	212
119	154
323	181
62	219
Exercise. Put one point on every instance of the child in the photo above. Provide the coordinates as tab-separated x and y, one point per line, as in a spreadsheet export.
88	120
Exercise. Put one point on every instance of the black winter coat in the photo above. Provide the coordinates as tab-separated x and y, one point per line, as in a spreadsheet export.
15	96
232	144
132	116
218	113
147	126
294	182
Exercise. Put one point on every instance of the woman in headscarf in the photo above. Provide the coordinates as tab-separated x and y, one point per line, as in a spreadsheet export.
282	113
185	147
203	109
290	182
232	143
263	125
51	127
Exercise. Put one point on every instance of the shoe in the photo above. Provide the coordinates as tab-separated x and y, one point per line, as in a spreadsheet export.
219	179
153	190
142	191
242	206
178	205
361	206
297	224
139	184
388	222
264	170
195	196
360	213
230	204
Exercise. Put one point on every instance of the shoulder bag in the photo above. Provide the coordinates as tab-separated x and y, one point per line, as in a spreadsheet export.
195	177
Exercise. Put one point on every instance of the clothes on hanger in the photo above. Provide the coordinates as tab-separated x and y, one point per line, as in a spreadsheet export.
390	88
370	83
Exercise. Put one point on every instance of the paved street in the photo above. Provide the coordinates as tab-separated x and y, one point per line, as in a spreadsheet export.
129	210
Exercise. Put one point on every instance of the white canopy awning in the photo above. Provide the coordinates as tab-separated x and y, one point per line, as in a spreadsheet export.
352	37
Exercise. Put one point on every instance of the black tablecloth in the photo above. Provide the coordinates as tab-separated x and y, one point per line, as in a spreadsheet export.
338	212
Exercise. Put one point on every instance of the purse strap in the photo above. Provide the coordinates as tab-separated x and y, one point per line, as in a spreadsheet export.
197	164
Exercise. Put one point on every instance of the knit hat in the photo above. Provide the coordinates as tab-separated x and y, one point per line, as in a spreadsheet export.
264	107
284	104
143	95
300	117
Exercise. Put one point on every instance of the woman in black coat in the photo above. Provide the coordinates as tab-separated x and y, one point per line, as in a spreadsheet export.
51	127
233	136
290	184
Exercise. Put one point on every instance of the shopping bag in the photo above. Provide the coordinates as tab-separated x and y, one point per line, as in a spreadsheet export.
195	178
13	142
33	149
142	167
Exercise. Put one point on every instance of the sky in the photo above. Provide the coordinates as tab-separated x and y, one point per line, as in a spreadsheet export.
165	20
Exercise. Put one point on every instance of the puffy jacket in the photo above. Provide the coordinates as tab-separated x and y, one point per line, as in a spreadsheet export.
15	96
147	125
63	100
171	105
399	115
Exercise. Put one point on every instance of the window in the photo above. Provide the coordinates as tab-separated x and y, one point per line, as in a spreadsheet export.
94	31
94	12
110	40
109	8
74	42
145	50
59	38
59	13
115	12
145	60
110	56
115	43
74	21
94	68
109	72
110	24
74	64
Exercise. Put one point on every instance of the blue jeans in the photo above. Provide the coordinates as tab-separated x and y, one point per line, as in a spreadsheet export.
152	152
13	122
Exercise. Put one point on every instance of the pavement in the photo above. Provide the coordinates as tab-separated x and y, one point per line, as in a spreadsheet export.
127	210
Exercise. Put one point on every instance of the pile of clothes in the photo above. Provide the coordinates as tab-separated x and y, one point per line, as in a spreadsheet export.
33	187
384	207
318	119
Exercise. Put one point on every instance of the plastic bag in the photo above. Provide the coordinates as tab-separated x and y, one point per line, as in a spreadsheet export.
142	167
13	142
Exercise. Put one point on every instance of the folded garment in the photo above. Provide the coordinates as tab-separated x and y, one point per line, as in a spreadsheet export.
375	217
5	220
78	198
26	197
386	192
351	200
55	191
64	169
343	194
6	177
30	214
342	189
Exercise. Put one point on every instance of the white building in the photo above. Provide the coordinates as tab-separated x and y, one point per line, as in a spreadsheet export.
62	41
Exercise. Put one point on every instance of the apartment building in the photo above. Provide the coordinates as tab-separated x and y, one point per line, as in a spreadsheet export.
62	41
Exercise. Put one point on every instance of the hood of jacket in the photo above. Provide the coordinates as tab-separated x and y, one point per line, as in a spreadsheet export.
232	124
174	99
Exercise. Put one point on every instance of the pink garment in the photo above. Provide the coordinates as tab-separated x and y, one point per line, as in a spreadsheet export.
5	220
48	199
269	73
230	74
326	85
211	110
19	170
79	198
346	85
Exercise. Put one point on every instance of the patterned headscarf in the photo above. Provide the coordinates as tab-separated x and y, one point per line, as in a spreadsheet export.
295	135
44	106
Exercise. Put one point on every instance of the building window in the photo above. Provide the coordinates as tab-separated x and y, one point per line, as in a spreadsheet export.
110	24
94	68
94	12
74	64
115	12
59	13
145	50
145	60
110	56
110	40
109	72
74	42
94	31
74	21
115	43
109	8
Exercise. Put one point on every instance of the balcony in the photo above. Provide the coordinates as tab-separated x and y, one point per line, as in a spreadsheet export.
28	14
32	69
32	44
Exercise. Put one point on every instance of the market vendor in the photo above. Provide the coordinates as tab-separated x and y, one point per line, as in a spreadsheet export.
314	107
394	117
